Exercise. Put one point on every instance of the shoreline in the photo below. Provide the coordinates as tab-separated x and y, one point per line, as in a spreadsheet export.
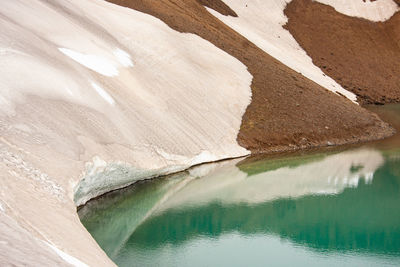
285	152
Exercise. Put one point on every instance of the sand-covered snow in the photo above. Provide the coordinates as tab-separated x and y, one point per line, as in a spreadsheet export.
179	87
97	93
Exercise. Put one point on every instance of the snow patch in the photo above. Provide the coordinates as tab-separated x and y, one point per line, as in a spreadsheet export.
123	57
275	40
204	156
9	51
185	87
375	11
24	169
68	258
103	93
96	63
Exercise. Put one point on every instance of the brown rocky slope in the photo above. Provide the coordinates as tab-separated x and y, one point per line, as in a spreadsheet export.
287	111
361	55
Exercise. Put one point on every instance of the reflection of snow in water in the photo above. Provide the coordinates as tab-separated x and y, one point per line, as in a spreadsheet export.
224	182
228	184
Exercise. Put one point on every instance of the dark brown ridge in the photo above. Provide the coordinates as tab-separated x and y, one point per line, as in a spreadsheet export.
287	111
218	6
360	55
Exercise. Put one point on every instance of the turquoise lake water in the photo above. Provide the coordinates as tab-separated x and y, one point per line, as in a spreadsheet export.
331	207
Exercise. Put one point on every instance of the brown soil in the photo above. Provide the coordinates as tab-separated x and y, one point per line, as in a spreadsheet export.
287	111
360	55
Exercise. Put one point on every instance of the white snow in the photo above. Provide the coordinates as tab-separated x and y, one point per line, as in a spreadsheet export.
93	62
375	11
123	57
109	82
181	104
68	258
103	93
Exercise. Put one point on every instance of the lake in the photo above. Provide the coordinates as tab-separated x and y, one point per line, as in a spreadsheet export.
337	206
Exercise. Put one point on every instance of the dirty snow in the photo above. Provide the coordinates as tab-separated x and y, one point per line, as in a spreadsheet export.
68	258
109	82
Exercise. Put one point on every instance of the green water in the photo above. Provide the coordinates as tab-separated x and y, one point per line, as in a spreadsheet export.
327	208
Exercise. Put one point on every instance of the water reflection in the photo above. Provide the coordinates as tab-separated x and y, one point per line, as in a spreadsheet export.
328	203
267	180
